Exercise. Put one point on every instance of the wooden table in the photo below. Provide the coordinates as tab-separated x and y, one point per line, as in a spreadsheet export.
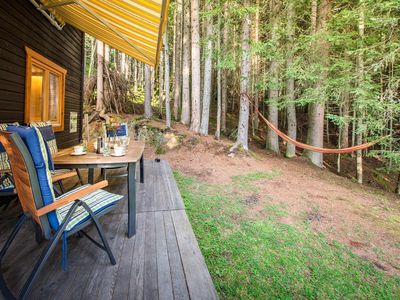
91	160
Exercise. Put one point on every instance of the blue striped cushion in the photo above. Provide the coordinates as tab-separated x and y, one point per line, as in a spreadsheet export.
6	185
37	148
97	201
122	130
48	134
4	162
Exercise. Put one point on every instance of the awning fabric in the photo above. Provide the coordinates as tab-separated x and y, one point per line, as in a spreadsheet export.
134	27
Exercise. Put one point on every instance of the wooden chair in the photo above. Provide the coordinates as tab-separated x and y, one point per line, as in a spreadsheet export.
58	174
55	218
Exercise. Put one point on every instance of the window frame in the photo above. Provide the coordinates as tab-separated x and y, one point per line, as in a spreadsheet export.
35	59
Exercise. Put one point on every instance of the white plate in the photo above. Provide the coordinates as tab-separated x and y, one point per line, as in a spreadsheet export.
117	155
77	154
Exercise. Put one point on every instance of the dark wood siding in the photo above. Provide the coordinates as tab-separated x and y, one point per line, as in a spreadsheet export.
22	25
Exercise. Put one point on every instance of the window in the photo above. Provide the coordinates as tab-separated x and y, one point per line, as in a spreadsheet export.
44	90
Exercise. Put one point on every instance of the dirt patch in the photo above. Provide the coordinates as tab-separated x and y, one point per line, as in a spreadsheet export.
364	218
253	199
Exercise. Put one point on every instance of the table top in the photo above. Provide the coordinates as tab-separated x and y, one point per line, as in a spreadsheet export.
133	154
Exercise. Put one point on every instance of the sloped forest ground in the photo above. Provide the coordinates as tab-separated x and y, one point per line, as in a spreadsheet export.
271	227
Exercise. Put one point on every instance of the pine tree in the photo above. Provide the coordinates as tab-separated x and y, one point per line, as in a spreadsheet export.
196	76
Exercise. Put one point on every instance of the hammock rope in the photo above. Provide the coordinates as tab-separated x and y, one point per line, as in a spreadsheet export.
309	147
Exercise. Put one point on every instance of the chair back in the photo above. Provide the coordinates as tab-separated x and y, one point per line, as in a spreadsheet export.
25	178
46	129
120	131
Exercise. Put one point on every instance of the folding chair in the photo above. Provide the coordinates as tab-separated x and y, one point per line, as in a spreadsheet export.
57	218
58	175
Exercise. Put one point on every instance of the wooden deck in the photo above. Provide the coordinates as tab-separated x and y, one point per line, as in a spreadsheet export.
163	260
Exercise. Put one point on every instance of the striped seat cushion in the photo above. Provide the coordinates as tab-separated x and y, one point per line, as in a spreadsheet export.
97	201
6	185
4	162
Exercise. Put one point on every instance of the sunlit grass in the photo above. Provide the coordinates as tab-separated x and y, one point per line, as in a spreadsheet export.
265	259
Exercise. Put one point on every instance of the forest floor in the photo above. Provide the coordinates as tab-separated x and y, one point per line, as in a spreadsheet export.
324	235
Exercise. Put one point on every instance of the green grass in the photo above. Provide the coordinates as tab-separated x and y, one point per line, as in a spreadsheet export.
265	259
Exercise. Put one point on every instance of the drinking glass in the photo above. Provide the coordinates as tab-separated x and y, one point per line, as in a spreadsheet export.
106	147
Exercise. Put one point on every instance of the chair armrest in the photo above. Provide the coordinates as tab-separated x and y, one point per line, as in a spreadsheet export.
71	197
56	178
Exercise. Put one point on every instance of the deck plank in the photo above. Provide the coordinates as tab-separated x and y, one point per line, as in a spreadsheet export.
163	267
150	259
177	274
163	260
199	282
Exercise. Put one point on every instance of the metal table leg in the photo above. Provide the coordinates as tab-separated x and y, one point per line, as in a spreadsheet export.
131	199
90	175
142	169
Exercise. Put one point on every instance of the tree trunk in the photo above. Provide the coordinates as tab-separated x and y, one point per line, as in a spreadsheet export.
291	108
166	81
178	59
161	82
207	82
100	82
272	137
122	63
316	111
135	76
360	71
147	92
344	136
196	76
256	67
218	130
92	55
185	113
224	79
243	128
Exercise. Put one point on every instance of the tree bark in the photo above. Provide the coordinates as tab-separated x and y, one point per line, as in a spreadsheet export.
243	128
100	71
218	130
178	59
92	55
196	76
316	111
398	185
207	82
272	137
344	136
290	87
148	113
135	76
166	81
185	113
360	71
224	79
256	66
161	82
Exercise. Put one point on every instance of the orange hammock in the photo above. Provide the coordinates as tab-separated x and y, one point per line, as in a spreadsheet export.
309	147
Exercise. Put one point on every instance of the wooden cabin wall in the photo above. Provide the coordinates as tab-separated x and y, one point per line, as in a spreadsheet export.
21	24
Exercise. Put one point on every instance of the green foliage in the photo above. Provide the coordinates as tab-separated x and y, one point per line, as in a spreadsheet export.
263	258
